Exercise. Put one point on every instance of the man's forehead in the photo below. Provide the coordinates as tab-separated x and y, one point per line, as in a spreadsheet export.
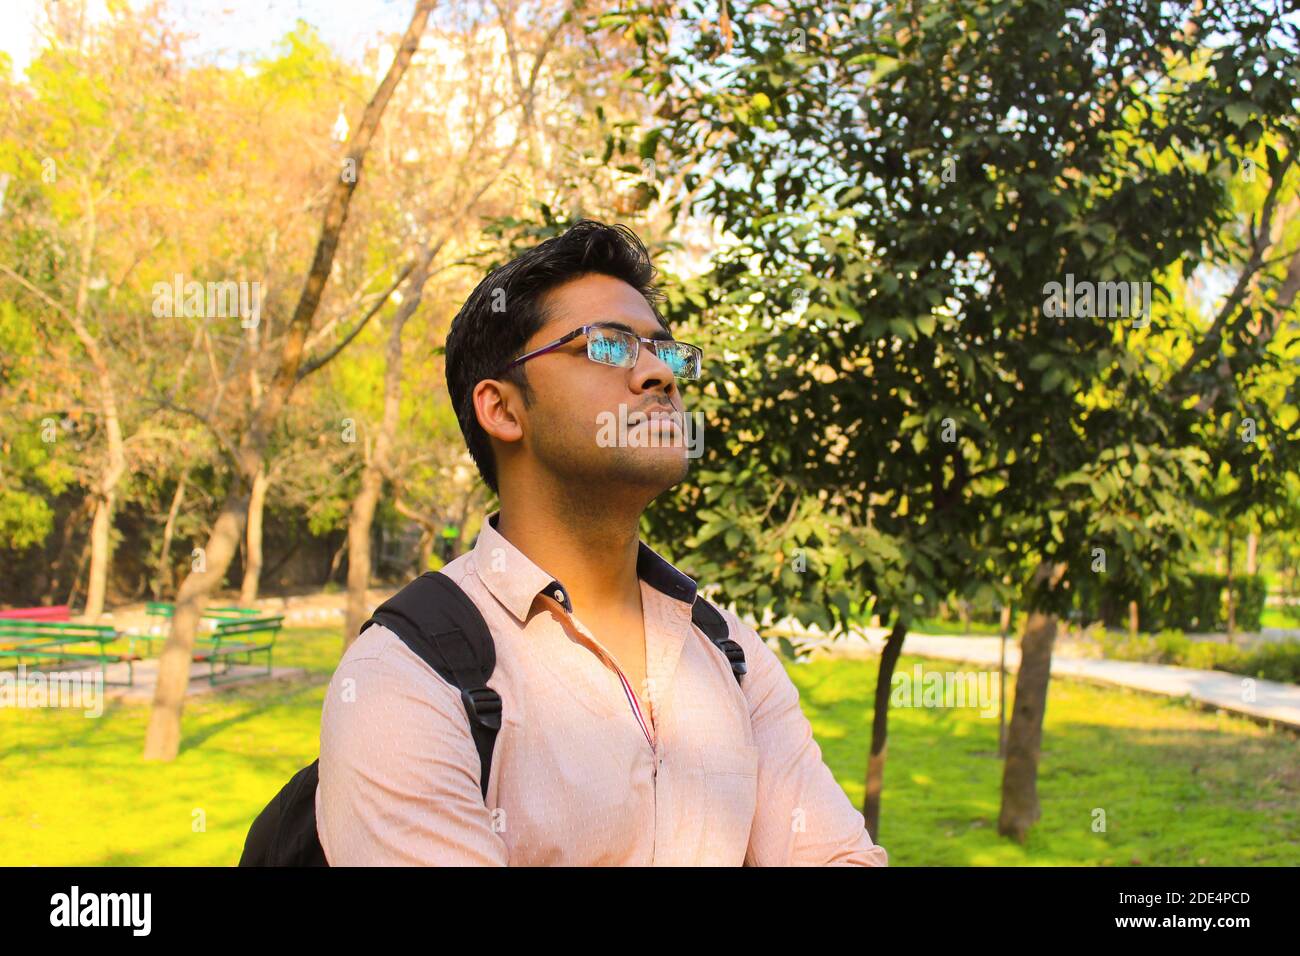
598	299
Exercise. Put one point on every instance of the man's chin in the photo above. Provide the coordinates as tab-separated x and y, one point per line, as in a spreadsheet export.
655	468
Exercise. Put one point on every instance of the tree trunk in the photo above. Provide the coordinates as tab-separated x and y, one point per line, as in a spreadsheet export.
1133	619
1005	629
880	729
424	552
101	531
101	537
76	576
100	557
162	739
257	498
428	531
1020	807
359	523
1252	549
372	478
336	561
472	499
163	576
1232	611
253	543
49	577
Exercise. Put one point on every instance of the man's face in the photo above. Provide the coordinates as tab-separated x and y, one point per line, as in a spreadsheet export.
574	426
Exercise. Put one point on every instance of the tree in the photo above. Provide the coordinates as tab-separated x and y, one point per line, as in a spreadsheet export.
901	405
85	138
162	739
469	169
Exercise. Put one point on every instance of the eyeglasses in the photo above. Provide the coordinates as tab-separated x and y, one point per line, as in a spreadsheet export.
621	349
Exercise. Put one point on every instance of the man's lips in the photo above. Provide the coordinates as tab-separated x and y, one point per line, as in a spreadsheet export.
659	416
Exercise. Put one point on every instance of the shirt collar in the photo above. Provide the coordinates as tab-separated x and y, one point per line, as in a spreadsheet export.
516	581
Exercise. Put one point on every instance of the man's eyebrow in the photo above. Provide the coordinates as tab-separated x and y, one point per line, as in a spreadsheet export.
660	333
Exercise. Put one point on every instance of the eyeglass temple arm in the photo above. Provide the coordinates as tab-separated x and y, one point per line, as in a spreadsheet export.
546	348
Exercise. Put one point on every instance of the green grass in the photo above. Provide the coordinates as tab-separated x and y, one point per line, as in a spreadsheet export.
938	628
1280	617
77	793
1179	786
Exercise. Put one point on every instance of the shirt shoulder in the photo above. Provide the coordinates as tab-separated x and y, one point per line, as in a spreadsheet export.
379	666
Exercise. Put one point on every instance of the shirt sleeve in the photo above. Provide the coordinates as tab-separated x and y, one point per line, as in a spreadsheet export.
803	816
399	772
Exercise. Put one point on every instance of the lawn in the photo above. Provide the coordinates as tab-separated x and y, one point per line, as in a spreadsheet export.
1280	617
954	627
1179	786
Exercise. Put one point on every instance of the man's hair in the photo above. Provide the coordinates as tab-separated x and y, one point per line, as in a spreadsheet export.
507	308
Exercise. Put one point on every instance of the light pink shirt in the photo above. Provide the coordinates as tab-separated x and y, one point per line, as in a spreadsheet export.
733	777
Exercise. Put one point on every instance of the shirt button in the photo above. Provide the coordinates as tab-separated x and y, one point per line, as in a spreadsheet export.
559	596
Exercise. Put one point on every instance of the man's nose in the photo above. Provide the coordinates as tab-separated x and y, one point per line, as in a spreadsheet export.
652	372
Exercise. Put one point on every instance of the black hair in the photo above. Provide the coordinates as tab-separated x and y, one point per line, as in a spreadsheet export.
507	308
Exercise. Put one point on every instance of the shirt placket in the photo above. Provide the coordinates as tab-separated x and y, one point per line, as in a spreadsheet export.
665	632
608	659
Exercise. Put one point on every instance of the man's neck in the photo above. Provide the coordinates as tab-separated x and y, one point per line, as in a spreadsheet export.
593	555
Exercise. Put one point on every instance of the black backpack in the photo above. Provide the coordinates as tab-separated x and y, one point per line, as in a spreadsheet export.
438	621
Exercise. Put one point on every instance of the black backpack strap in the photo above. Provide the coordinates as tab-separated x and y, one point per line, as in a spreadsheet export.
709	620
438	621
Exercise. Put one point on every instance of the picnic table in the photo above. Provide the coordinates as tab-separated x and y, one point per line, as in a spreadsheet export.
54	641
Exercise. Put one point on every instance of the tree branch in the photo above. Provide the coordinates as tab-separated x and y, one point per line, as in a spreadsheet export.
1260	242
312	365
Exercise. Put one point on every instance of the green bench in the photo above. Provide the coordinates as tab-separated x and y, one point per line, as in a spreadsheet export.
232	639
163	609
51	641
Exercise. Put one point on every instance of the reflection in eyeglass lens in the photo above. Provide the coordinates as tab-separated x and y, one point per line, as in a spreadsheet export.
610	348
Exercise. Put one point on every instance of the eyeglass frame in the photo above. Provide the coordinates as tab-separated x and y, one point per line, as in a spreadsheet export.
585	330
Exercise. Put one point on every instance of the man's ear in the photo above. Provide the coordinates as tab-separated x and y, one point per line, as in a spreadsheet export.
497	406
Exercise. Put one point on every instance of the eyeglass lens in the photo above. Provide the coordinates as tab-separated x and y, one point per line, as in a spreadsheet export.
618	348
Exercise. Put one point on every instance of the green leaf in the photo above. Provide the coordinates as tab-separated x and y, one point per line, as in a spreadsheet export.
1239	113
648	145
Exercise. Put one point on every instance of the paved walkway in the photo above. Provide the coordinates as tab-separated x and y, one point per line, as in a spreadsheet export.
146	679
1263	700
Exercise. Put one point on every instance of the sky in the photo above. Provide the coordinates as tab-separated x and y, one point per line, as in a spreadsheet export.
235	27
230	29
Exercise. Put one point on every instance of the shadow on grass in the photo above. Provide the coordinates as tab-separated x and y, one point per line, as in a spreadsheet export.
164	853
93	728
272	699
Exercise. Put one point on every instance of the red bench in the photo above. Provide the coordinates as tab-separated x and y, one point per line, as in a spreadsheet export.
60	612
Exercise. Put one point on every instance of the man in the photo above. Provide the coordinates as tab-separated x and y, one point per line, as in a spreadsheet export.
625	739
